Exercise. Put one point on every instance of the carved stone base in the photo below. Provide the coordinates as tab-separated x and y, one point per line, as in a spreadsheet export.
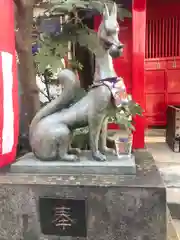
30	164
84	206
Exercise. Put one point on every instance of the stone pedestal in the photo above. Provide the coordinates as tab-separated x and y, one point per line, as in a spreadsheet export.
125	165
51	206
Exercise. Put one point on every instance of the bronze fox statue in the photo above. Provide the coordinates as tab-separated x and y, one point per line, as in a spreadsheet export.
51	130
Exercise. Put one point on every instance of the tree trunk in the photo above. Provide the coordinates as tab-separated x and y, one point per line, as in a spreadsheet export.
86	58
30	94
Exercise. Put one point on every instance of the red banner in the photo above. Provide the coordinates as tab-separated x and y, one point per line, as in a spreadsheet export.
9	117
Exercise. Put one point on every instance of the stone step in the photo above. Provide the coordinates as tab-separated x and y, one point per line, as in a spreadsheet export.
171	174
173	200
172	233
175	210
176	224
172	227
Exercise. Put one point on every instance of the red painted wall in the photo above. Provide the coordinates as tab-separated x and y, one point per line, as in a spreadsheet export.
162	81
162	8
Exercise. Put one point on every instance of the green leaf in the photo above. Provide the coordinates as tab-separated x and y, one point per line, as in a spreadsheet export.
135	109
65	6
44	61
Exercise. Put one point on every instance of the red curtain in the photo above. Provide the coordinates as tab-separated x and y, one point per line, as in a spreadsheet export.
9	117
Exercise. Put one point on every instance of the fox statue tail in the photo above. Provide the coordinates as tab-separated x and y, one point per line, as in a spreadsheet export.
69	83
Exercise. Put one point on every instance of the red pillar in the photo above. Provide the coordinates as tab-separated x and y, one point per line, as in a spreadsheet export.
9	117
138	54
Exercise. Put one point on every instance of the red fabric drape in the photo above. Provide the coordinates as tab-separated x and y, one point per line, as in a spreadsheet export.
9	117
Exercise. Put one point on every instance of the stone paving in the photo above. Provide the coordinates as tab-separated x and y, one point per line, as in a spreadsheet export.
172	229
168	163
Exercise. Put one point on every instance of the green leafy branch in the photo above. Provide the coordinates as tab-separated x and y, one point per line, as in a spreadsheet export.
124	114
55	7
53	47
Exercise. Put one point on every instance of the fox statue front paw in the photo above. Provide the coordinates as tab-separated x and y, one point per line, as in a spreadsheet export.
76	151
109	150
98	156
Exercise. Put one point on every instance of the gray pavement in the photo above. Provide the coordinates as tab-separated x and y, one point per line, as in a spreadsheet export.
168	163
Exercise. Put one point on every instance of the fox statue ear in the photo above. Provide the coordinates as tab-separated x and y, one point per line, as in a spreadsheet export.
114	11
105	12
